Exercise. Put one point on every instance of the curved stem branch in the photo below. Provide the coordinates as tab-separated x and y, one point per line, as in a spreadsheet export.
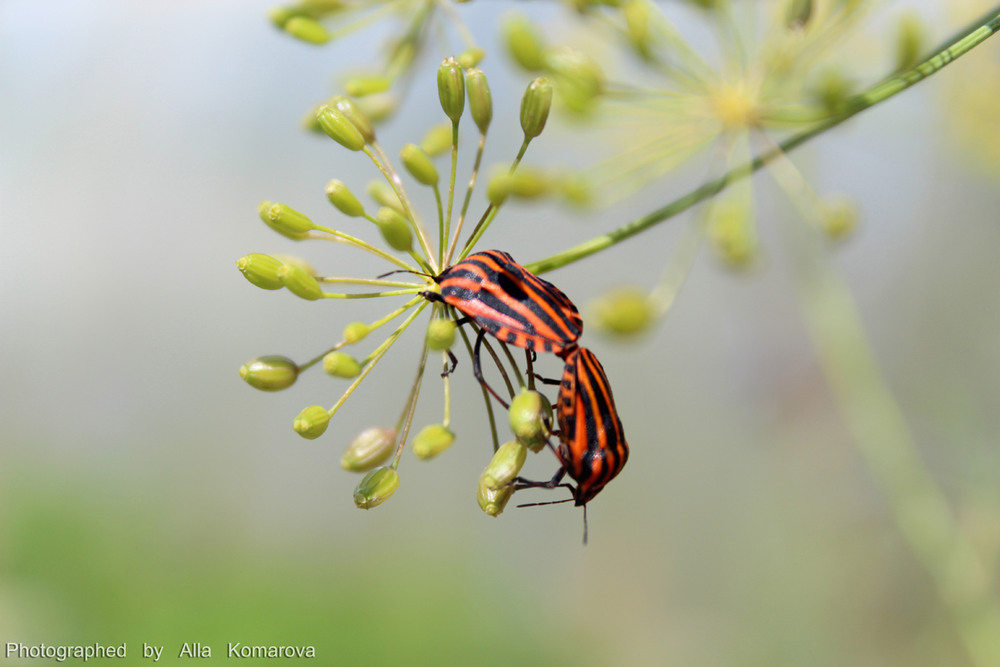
878	93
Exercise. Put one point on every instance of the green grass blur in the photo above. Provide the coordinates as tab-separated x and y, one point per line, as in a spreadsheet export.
104	564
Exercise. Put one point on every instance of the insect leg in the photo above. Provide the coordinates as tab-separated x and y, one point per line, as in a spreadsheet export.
477	370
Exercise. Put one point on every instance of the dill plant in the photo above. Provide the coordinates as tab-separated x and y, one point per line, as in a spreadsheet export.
773	81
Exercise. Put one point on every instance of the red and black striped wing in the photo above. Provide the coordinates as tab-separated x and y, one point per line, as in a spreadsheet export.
511	303
592	445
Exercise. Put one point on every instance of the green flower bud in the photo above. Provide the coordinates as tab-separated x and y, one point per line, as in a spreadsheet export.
310	123
307	30
355	332
402	53
314	9
580	78
797	13
624	311
270	373
731	231
505	465
262	209
385	196
832	90
437	140
318	8
432	440
341	364
296	261
471	57
910	40
535	107
339	128
577	189
529	183
342	197
440	334
395	229
261	270
311	422
530	418
353	113
480	100
451	89
376	487
299	282
525	43
492	501
525	183
378	106
285	220
279	16
498	188
839	218
359	86
637	22
371	448
419	164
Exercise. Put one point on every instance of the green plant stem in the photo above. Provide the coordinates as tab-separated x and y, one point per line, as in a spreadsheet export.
341	237
491	210
446	231
878	93
879	429
371	295
365	281
371	327
376	356
411	408
441	228
465	203
446	378
381	160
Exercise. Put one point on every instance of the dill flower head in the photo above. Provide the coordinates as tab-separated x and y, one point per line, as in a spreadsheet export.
411	249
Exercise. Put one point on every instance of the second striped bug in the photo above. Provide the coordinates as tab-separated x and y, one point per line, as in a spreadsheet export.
592	447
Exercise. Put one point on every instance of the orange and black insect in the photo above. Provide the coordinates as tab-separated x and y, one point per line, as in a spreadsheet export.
592	447
511	303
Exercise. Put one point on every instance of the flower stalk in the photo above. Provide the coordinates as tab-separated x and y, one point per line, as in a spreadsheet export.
877	94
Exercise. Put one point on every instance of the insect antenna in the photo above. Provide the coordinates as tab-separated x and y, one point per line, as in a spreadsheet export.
416	273
556	502
548	502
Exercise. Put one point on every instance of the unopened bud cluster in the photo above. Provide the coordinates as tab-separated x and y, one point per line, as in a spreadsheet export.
530	418
578	77
464	94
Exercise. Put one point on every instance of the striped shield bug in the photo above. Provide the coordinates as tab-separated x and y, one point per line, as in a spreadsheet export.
511	303
592	447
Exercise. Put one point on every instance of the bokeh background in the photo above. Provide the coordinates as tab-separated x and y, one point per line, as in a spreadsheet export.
148	495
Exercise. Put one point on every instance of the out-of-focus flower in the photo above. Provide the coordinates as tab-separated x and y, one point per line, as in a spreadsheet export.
778	67
971	94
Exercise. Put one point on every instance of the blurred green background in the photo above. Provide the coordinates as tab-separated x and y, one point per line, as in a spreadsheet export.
148	495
